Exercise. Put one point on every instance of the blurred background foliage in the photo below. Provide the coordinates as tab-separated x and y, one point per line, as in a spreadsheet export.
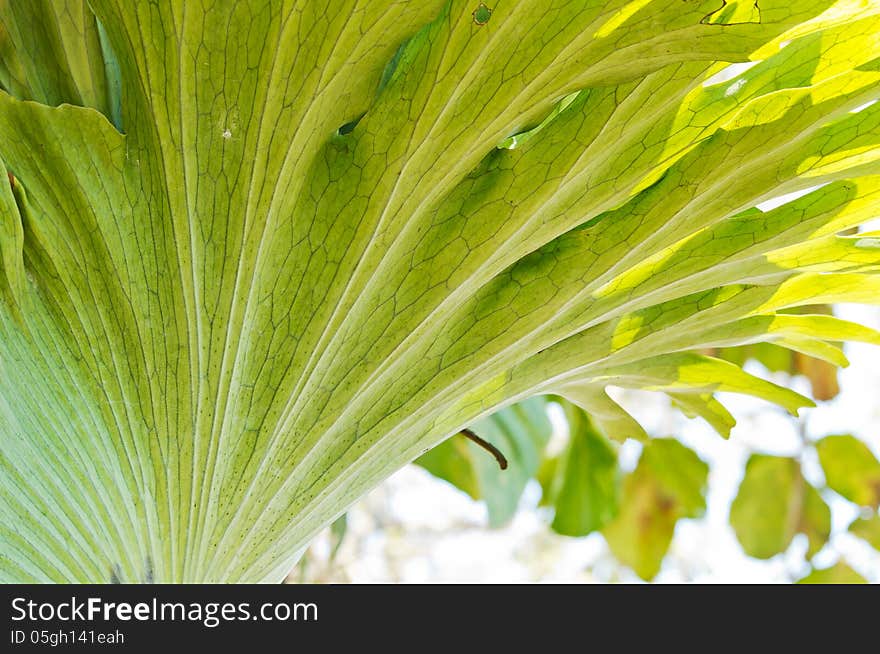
585	489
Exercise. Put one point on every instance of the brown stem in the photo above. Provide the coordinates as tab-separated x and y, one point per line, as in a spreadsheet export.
486	445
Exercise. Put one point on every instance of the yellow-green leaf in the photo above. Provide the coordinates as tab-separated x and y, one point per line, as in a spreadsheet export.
586	489
668	484
839	573
867	529
775	502
304	245
815	520
851	469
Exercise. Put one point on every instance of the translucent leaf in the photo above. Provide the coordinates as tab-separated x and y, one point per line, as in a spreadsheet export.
585	491
615	421
821	372
774	502
668	484
851	469
255	258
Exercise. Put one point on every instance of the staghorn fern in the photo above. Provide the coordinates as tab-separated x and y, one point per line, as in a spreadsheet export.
224	318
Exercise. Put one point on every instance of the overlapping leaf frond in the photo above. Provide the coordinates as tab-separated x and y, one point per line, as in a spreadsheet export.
224	319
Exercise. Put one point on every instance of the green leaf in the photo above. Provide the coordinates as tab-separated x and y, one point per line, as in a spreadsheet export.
53	51
802	359
707	407
851	469
815	520
585	491
839	573
453	461
766	509
338	529
668	484
546	476
520	432
614	420
867	529
773	504
318	249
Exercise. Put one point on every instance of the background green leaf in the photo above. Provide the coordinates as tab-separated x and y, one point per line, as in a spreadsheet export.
815	520
774	503
851	469
520	432
867	529
668	484
839	573
585	489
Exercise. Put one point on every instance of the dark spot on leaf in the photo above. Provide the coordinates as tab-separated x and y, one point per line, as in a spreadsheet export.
11	179
482	14
665	503
348	127
876	488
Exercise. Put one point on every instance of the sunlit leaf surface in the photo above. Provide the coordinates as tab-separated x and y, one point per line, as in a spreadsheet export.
256	258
